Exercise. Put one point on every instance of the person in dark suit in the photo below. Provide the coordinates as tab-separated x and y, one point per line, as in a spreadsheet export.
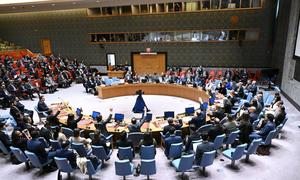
22	108
246	129
72	122
192	137
205	146
42	106
171	140
100	141
19	140
269	126
280	116
52	118
4	137
124	142
101	124
218	113
171	124
64	152
46	132
198	120
136	126
5	95
37	146
215	130
252	114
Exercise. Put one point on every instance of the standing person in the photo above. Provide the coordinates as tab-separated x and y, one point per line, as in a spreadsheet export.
139	103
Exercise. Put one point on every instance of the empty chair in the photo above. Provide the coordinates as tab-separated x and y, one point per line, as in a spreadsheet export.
231	138
80	149
184	163
269	100
125	153
55	144
252	148
148	167
20	156
235	153
3	148
63	165
67	131
255	123
207	160
90	168
136	137
147	152
35	161
100	153
123	168
218	142
268	140
175	150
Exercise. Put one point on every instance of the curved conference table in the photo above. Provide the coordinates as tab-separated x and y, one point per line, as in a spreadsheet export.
153	89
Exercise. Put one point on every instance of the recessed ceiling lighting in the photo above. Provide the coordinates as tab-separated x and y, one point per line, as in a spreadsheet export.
32	6
74	3
53	4
13	7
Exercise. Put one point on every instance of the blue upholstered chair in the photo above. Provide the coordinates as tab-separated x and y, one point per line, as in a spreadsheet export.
36	162
235	153
184	163
147	152
80	149
67	131
278	129
55	144
252	148
231	138
175	150
207	160
91	170
249	97
125	153
21	157
265	96
284	121
269	100
123	168
223	121
135	138
204	129
255	123
148	167
41	114
218	142
63	165
268	140
3	148
100	153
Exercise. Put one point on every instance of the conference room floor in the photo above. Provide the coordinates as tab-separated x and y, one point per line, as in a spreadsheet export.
282	163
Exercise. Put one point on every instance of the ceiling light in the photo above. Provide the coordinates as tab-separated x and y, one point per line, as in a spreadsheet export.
74	2
53	4
13	7
32	6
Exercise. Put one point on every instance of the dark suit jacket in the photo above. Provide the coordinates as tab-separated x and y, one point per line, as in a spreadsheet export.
171	140
176	126
101	142
42	106
73	123
38	146
102	126
193	137
53	120
65	153
280	118
266	129
253	117
136	127
198	121
245	130
215	131
201	149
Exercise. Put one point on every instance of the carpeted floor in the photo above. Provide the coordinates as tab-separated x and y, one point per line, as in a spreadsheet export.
282	164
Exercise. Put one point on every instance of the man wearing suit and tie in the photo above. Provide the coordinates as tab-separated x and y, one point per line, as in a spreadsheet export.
172	139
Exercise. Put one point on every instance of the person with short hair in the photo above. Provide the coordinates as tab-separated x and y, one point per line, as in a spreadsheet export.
65	152
205	146
264	131
171	140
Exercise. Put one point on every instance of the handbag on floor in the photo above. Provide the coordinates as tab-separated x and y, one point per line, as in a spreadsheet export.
263	150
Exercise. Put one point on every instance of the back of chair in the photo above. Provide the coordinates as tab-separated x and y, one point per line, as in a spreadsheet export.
218	142
186	162
269	100
208	158
90	168
232	136
223	121
67	131
253	146
148	166
123	167
205	128
175	150
125	153
265	96
19	154
55	144
255	123
239	151
285	120
99	152
147	152
79	147
278	129
3	148
269	138
63	165
92	135
136	137
249	96
33	159
178	133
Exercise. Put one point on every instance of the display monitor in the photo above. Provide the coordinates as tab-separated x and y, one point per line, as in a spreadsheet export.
119	117
189	111
168	114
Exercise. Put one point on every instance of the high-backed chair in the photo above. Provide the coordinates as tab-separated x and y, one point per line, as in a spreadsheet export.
80	149
41	114
148	167
55	144
252	148
123	168
269	100
268	140
147	152
175	150
63	165
100	153
278	129
235	153
184	163
223	121
67	131
255	123
125	153
36	162
91	170
21	157
204	129
207	160
135	137
231	138
218	142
